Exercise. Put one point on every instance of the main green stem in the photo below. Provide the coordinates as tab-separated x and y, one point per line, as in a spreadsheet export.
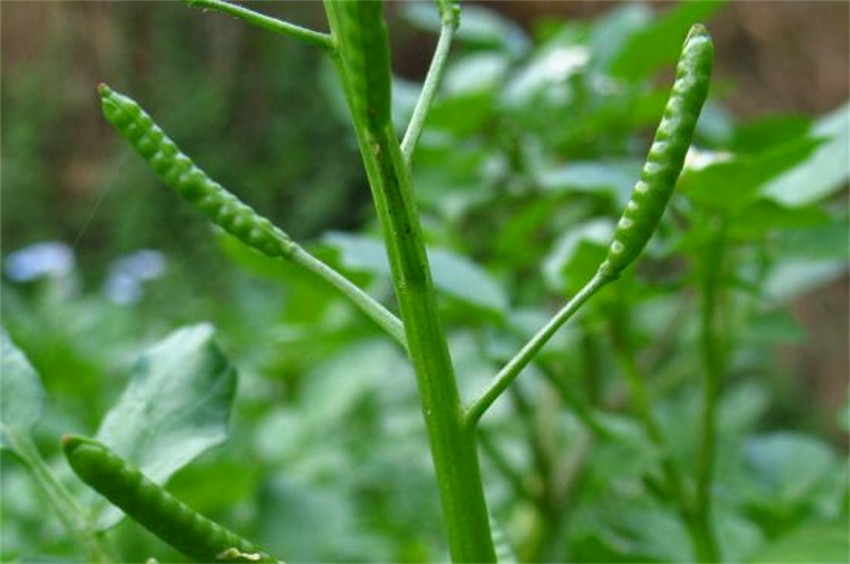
453	444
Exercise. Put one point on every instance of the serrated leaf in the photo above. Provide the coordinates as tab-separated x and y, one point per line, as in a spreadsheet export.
21	393
175	407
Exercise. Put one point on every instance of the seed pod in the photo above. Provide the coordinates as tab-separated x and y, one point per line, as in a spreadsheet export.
154	508
666	156
182	175
365	51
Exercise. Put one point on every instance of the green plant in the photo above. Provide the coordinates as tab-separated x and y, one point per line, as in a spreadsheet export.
152	506
615	388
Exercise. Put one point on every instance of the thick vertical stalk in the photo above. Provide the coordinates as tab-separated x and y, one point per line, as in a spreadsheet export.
359	62
453	446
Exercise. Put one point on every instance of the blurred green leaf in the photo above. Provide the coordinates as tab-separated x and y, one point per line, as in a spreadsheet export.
741	408
21	394
827	241
479	27
814	542
550	67
626	528
577	254
311	524
614	28
791	279
615	177
794	476
475	73
764	216
756	136
772	327
660	42
826	172
462	115
457	276
175	407
730	186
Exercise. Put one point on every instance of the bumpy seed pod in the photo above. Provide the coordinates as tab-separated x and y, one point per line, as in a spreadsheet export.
154	508
182	175
666	156
365	51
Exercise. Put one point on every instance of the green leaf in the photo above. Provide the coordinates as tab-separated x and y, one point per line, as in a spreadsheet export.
613	177
791	279
794	474
454	274
175	407
731	185
611	32
814	542
772	327
313	524
756	136
475	73
764	216
827	241
660	42
825	172
21	393
576	256
550	67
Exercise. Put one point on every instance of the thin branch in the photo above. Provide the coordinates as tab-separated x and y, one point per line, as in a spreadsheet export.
429	91
512	369
269	23
367	304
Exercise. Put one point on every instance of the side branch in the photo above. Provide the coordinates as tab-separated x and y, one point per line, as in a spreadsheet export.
429	91
525	355
269	23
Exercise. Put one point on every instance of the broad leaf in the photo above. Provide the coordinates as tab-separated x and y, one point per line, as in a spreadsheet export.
733	184
21	393
794	477
175	407
825	172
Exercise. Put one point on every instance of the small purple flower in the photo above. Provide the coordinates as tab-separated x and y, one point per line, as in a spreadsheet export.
50	258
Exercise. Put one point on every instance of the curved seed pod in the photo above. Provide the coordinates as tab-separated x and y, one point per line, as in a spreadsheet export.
154	508
365	51
667	154
182	175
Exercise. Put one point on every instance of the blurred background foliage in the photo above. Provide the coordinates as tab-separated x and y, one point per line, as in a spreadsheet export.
527	159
